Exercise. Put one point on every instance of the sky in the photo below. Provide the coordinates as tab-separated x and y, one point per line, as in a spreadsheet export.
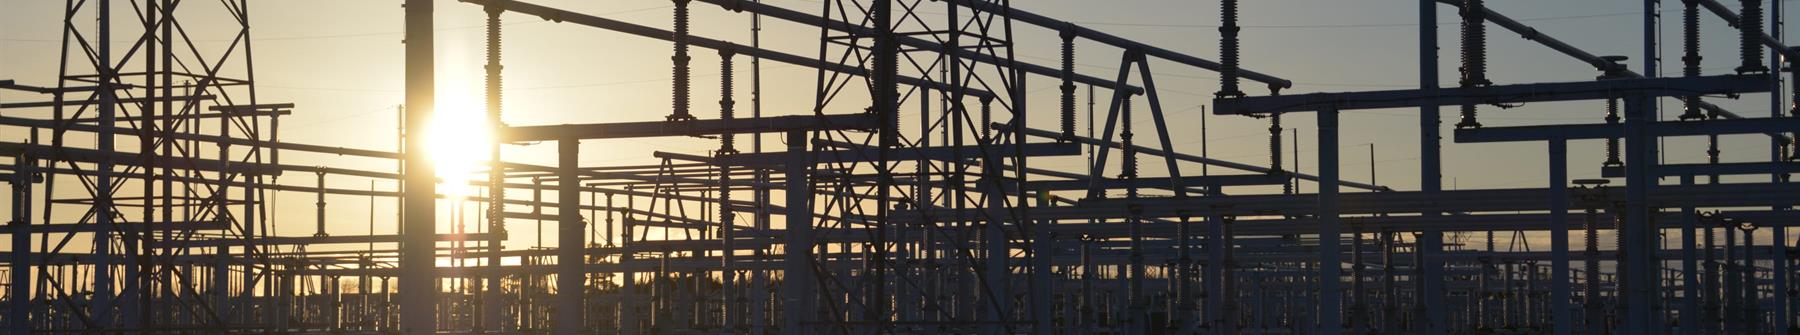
340	62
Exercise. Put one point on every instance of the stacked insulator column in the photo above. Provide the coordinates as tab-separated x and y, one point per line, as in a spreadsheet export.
727	142
1068	82
1228	50
1690	59
1612	143
1474	56
681	63
1750	32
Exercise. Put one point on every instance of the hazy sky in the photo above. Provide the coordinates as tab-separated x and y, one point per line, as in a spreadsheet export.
340	62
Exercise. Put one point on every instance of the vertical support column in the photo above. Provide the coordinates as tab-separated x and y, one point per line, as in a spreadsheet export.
1639	275
1641	280
1690	265
1214	279
417	301
1563	322
19	307
1779	266
887	106
1780	291
1331	318
570	236
102	305
1390	293
1751	301
1183	316
1733	281
147	144
628	314
996	274
797	274
1043	249
1428	279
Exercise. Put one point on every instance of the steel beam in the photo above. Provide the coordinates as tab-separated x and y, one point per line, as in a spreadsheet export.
773	124
318	240
1160	182
1704	169
1491	200
1771	126
1496	94
1182	156
868	154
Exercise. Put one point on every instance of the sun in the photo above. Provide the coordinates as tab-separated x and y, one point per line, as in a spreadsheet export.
458	139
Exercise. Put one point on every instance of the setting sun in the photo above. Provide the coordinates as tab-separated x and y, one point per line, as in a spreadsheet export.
459	135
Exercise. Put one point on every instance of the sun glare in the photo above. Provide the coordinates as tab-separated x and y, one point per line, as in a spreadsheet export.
459	138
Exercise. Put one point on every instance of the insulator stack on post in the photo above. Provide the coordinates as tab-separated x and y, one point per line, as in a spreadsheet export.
320	203
727	141
1228	50
1068	82
1750	33
681	59
1612	143
1690	55
1474	56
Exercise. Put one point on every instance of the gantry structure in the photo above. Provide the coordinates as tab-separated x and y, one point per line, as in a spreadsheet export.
908	201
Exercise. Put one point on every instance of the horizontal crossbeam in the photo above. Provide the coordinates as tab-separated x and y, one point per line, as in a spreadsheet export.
774	124
1497	94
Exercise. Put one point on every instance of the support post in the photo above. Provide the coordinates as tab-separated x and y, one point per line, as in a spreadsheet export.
1042	253
1690	266
797	275
102	305
1214	293
1563	322
18	316
1428	281
1331	318
570	234
1639	276
418	300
